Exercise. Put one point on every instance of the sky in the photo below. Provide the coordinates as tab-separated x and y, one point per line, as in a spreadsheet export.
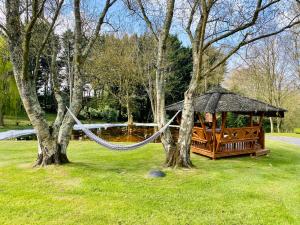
123	21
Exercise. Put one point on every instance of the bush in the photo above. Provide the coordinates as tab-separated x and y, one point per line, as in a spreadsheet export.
297	130
88	112
109	114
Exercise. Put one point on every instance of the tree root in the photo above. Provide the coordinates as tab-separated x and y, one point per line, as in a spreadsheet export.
55	159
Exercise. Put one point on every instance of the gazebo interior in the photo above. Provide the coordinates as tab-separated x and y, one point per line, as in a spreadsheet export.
211	137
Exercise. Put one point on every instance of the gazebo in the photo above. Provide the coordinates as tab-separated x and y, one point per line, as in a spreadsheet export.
215	142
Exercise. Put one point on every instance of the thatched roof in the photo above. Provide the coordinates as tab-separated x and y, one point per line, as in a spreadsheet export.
219	99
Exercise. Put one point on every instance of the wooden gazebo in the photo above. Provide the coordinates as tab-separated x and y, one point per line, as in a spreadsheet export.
216	142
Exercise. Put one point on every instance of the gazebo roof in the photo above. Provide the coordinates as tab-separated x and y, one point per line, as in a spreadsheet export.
219	99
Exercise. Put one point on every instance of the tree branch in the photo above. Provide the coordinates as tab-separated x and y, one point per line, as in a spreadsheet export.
4	30
147	20
57	11
245	42
36	13
27	38
190	21
95	35
258	9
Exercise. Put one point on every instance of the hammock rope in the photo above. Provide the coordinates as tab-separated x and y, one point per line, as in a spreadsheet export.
118	147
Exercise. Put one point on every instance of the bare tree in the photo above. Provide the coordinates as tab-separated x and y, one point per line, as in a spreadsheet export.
230	25
53	139
264	75
160	29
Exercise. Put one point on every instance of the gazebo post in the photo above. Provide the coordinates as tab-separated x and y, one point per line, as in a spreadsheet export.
214	134
202	124
261	133
251	119
224	116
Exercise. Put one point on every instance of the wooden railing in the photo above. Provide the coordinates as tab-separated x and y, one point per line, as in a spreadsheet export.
201	139
229	141
238	139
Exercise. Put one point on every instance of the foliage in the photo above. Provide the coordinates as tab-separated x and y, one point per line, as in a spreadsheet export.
180	68
113	66
9	96
236	120
106	113
104	187
123	69
297	130
265	76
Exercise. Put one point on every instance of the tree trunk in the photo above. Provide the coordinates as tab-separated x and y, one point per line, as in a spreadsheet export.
271	124
66	128
1	115
187	118
151	94
49	152
129	114
185	132
278	124
53	140
166	137
1	118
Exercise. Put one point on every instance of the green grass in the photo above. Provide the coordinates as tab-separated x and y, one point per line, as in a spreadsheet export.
24	123
11	123
285	134
104	187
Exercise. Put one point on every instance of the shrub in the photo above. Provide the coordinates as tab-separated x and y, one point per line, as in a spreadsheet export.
297	130
109	114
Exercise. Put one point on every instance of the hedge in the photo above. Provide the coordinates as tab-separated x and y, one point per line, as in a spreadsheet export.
297	130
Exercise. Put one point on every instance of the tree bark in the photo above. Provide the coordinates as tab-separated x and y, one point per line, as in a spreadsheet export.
1	117
271	124
278	124
19	52
52	140
186	126
166	137
187	119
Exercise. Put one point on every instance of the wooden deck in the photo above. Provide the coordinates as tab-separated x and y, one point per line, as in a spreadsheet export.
228	142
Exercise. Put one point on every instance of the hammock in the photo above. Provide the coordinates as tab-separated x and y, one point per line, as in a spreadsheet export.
111	146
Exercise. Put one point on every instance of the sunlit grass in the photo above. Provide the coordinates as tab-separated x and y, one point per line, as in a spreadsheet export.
104	187
22	122
285	134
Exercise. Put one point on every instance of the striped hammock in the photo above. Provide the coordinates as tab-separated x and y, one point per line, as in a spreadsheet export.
118	147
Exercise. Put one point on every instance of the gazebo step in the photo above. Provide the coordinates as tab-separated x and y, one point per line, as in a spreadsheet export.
262	152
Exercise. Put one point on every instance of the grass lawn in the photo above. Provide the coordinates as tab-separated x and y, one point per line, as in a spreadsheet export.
10	122
104	187
285	134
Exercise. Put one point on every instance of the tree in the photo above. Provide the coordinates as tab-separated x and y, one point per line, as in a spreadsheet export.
114	65
9	96
160	29
265	76
53	139
230	26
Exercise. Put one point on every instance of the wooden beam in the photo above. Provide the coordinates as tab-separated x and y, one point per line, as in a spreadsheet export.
214	133
251	119
261	133
202	124
224	116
